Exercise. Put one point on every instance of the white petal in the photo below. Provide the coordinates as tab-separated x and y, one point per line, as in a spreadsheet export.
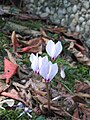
62	73
35	64
58	48
44	70
43	61
53	69
50	48
32	57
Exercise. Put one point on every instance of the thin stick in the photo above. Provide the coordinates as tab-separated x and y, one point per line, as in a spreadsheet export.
48	95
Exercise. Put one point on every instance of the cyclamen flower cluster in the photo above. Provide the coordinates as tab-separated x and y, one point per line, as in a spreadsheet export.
44	67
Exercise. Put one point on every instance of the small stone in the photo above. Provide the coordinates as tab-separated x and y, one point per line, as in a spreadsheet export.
77	16
83	24
88	43
69	9
81	19
87	16
72	27
72	16
57	21
86	4
64	11
87	28
74	9
63	22
32	1
81	29
74	22
77	28
88	22
41	1
47	10
60	12
43	15
83	10
66	17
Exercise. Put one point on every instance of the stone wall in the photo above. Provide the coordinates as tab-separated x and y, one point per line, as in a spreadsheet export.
72	14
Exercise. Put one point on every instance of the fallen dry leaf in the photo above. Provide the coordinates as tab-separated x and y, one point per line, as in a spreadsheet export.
9	70
14	41
11	58
82	58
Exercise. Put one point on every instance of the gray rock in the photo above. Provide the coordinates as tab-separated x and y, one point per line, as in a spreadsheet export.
86	4
47	10
83	10
63	22
43	15
72	16
77	16
74	9
88	43
87	16
77	28
88	22
74	22
60	13
87	28
64	11
32	1
81	19
57	21
41	1
83	24
81	29
69	9
72	27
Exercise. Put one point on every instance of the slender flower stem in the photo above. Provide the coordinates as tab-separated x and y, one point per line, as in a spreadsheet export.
48	95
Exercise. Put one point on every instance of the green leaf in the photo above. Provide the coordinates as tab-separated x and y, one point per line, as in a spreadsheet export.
40	118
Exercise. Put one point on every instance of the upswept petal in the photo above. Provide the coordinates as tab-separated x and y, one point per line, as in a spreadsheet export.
53	69
34	62
35	65
58	48
32	57
43	61
50	48
44	70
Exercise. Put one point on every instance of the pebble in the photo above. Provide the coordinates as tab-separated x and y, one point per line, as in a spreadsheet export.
86	4
77	28
77	16
47	10
81	19
88	22
83	24
74	22
87	16
88	43
69	9
87	28
74	9
63	22
43	15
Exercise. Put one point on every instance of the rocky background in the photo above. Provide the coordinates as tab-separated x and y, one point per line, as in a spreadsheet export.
71	14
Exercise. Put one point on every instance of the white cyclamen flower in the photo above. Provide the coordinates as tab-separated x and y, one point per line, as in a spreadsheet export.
48	71
62	73
34	62
53	49
37	62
